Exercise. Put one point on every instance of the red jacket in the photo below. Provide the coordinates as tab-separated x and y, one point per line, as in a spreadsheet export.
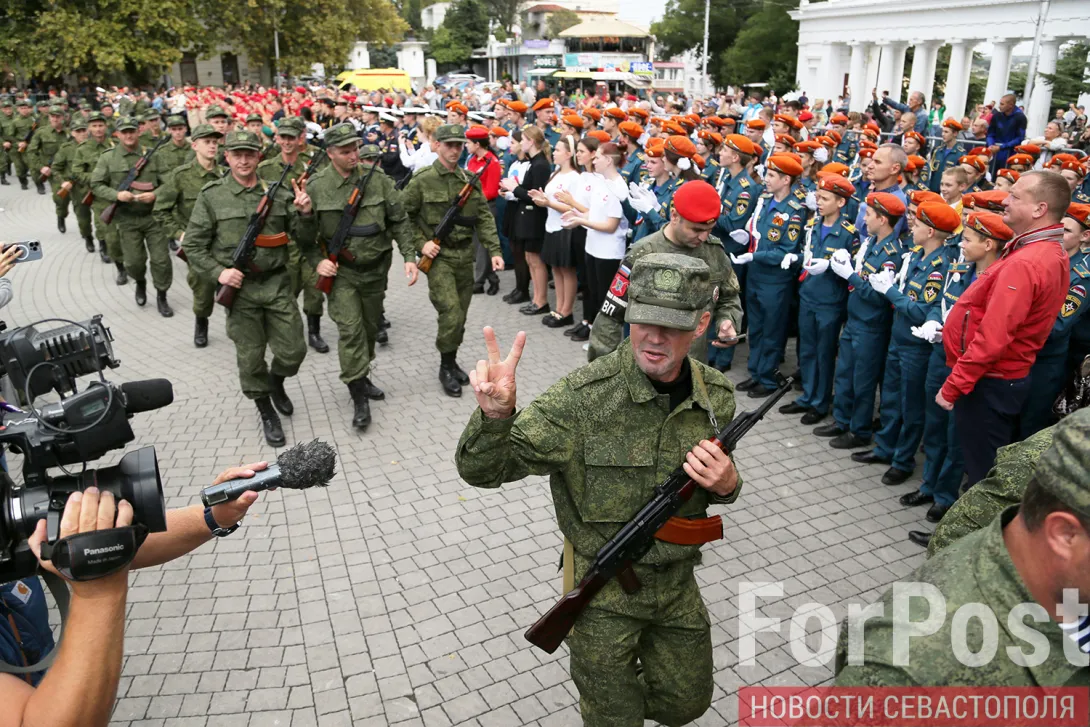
490	180
1002	320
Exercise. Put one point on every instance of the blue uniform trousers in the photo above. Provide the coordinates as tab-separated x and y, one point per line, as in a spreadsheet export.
861	358
768	308
819	331
943	466
902	408
1046	380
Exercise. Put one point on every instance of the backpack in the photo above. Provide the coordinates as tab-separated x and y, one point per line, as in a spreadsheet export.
25	636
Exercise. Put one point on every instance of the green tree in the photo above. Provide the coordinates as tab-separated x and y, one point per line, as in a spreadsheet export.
503	12
766	49
682	29
447	49
464	28
560	21
383	56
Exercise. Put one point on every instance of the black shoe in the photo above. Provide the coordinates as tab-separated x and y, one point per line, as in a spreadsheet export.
723	368
370	390
794	408
41	187
920	537
141	292
280	397
478	289
518	297
583	334
830	430
22	183
812	417
574	329
4	180
161	303
869	457
533	310
383	324
174	246
449	381
361	407
382	338
102	254
507	298
314	334
760	391
555	320
936	512
270	422
200	332
89	243
747	385
915	498
894	476
493	285
61	227
847	440
459	375
122	276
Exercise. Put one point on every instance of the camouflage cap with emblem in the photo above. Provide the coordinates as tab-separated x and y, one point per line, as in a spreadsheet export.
215	110
669	290
1064	468
450	133
242	140
127	123
96	116
176	120
6	104
370	151
150	115
205	131
292	126
341	135
78	124
56	111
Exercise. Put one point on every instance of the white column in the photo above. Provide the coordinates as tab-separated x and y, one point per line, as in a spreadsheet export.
999	71
957	79
923	68
891	68
857	75
1040	100
898	69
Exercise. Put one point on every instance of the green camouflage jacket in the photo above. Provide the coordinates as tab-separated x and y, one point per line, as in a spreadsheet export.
112	168
44	146
174	200
171	156
86	157
427	198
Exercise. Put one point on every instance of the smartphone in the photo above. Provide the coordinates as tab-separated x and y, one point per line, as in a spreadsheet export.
737	339
29	250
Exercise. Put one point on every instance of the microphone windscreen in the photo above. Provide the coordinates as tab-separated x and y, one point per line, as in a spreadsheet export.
307	465
146	395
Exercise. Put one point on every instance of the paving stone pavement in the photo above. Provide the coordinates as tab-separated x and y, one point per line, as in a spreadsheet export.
399	594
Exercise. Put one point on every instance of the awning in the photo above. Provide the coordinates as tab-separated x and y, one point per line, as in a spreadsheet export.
638	81
572	74
542	72
594	75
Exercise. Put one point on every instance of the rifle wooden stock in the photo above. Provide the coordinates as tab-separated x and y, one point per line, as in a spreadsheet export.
225	295
549	631
425	262
88	199
107	215
63	193
447	223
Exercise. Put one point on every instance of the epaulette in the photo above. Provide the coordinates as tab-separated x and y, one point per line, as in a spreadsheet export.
794	203
1081	269
766	195
603	367
213	183
936	262
743	182
960	267
915	248
813	221
848	226
890	249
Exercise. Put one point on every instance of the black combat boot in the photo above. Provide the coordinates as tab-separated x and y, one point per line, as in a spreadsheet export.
447	377
370	390
383	324
122	276
102	254
382	337
22	183
173	245
161	303
270	422
4	179
141	292
280	397
61	227
200	332
89	243
40	186
361	407
314	334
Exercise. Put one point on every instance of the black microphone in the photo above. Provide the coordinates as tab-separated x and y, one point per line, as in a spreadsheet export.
302	466
146	395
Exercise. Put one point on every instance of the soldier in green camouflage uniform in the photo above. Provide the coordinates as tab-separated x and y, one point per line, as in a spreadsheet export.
83	166
178	150
63	176
221	122
607	434
684	237
427	198
359	276
264	311
7	135
174	202
141	237
1038	541
150	128
291	140
43	147
21	126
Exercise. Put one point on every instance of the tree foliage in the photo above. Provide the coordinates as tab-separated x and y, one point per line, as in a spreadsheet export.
464	28
503	12
560	21
682	29
765	50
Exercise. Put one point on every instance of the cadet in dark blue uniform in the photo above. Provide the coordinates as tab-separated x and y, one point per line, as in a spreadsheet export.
823	298
914	292
945	156
630	135
862	351
775	230
982	239
652	204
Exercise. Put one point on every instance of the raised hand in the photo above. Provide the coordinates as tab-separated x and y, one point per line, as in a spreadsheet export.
493	381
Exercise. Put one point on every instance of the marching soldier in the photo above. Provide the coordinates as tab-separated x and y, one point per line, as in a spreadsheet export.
178	150
264	313
360	274
43	147
427	198
64	176
87	154
149	128
174	203
141	237
23	123
291	139
7	136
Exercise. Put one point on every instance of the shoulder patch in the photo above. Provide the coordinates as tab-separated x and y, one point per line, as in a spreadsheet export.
848	226
794	204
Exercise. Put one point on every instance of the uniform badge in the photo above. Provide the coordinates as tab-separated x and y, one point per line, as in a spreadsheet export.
741	206
792	233
912	295
668	280
1071	304
619	286
889	265
1078	290
774	234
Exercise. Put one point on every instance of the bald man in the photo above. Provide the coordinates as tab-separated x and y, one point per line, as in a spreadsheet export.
1006	130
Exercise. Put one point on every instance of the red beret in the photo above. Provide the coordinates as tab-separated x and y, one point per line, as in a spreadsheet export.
1080	213
1070	165
805	116
572	120
837	168
974	161
887	203
918	161
939	215
698	160
1032	149
826	141
967	201
785	139
697	201
953	124
868	144
788	120
300	89
990	225
917	197
1009	174
476	133
866	152
642	113
917	136
981	151
784	164
741	144
544	103
1023	160
631	129
834	135
835	183
872	126
616	113
593	113
807	147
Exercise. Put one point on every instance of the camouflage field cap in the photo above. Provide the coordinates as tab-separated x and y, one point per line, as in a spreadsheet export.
205	131
78	124
450	132
127	123
1064	468
292	126
670	290
6	103
176	120
56	111
341	135
254	117
239	140
215	110
23	102
370	151
150	115
96	116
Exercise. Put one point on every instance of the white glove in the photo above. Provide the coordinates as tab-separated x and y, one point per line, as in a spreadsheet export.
642	200
817	266
811	201
741	259
788	260
740	236
930	331
881	282
842	268
821	155
503	143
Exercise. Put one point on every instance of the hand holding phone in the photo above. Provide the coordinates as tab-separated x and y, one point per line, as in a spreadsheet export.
19	252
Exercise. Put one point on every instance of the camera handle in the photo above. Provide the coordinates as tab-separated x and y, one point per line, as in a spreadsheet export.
59	589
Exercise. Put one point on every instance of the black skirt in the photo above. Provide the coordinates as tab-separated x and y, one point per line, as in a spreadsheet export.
564	249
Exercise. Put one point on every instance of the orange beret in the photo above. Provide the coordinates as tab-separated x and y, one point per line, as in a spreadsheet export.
788	120
918	160
698	160
838	118
517	106
641	112
887	203
684	121
681	145
868	144
476	132
917	136
592	113
974	161
838	185
600	135
990	225
939	215
695	118
785	139
713	121
991	200
1073	166
544	103
784	164
1032	149
1023	160
1080	213
631	129
916	197
572	120
793	155
1009	174
953	124
498	131
756	124
978	151
655	151
872	126
615	112
741	144
825	141
834	135
697	201
807	147
967	201
501	101
871	134
710	136
674	128
460	108
866	152
911	166
837	168
727	122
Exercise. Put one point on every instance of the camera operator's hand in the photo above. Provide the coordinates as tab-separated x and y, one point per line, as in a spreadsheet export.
231	277
231	512
83	513
7	260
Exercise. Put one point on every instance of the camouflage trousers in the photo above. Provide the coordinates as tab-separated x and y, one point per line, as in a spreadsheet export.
265	314
19	160
61	203
450	288
665	627
107	234
304	278
204	292
83	212
355	305
142	239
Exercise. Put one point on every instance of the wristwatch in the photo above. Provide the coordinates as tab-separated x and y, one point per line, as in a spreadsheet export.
214	526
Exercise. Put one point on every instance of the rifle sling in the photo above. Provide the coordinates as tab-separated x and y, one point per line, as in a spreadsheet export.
277	240
694	531
465	220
